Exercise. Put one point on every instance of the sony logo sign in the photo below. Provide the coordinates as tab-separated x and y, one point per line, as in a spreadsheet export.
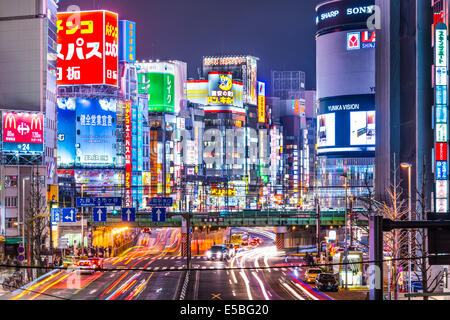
327	15
360	10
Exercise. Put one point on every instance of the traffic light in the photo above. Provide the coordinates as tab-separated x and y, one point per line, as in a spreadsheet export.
115	212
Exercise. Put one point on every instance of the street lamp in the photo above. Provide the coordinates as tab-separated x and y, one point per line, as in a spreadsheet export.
23	212
409	166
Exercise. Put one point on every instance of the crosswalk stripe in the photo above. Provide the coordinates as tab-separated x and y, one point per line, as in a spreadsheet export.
203	267
212	267
179	268
172	268
164	268
157	268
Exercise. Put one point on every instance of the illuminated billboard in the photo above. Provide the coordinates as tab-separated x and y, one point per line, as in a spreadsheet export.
127	44
220	89
160	87
346	125
349	12
66	132
441	119
88	48
201	91
86	132
23	132
261	102
128	155
244	68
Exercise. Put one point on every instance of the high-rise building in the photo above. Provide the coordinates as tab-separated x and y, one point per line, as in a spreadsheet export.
28	103
345	71
412	112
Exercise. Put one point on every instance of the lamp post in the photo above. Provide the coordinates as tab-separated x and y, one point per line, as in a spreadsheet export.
345	233
82	222
23	214
409	166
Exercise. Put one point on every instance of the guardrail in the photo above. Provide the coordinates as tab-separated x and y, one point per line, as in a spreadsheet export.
239	219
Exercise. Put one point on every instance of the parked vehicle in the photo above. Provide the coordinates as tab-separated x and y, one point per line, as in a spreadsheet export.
326	282
311	274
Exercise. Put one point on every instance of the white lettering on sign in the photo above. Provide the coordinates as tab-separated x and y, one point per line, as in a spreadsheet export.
343	107
360	10
327	15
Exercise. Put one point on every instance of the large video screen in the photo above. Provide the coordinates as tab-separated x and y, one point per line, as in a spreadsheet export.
86	132
347	125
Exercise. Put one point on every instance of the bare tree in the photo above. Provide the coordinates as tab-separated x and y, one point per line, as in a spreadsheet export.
36	216
420	240
394	208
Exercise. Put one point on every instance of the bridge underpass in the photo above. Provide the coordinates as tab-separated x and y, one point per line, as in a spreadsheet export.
284	222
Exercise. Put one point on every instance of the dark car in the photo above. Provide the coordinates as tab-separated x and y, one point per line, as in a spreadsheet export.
326	282
219	252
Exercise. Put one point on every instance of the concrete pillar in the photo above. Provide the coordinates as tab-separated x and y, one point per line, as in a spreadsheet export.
184	244
280	233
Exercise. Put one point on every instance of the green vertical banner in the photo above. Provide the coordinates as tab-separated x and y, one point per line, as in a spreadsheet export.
160	88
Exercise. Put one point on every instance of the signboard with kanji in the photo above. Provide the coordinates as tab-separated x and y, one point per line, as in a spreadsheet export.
87	48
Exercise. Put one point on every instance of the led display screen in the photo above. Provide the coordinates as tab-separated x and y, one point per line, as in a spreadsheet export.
93	122
346	125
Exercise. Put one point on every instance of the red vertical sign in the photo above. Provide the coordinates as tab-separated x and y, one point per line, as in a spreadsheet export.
128	164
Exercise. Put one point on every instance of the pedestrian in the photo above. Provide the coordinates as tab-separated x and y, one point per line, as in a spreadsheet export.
110	251
45	263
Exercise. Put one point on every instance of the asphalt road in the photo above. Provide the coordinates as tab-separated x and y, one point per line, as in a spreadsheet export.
154	270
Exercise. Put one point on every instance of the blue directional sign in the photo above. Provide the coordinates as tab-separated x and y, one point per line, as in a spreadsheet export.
99	215
161	202
128	214
99	202
69	215
56	214
158	214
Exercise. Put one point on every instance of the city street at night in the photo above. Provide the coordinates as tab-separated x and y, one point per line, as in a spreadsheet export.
208	159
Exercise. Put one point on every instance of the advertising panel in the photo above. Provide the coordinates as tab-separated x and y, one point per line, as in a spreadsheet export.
23	132
261	102
87	48
160	88
441	122
66	132
327	130
128	155
198	91
127	44
252	87
350	12
244	68
96	132
220	89
362	128
343	66
347	125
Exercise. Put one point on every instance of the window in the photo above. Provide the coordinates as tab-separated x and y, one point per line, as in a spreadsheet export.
10	181
11	202
10	223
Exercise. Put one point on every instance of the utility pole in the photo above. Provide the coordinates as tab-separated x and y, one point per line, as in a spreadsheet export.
318	227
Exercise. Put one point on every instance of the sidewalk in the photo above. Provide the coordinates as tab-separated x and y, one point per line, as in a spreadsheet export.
350	294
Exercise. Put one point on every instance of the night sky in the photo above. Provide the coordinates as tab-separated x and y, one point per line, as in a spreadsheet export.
279	32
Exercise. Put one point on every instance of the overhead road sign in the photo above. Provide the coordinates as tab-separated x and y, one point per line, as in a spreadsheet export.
99	215
158	214
69	215
99	202
128	214
161	202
